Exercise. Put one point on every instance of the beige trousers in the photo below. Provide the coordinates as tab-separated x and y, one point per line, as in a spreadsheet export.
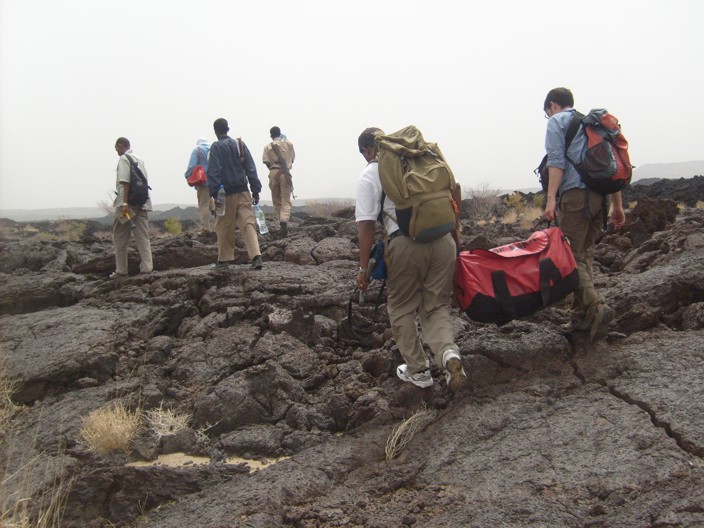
206	218
280	194
581	216
238	214
121	236
420	281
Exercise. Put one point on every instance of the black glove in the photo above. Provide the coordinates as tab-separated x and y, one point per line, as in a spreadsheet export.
255	198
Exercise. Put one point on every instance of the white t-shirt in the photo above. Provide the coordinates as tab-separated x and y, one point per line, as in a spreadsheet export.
368	202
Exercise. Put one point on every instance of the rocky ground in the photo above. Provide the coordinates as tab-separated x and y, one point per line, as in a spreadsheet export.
552	432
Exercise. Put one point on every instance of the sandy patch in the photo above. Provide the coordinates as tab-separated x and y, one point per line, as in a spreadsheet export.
182	459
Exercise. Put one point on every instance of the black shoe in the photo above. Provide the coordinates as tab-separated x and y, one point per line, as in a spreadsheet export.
284	229
575	326
220	264
257	262
600	325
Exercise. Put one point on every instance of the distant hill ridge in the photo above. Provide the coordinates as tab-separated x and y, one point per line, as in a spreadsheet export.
669	171
643	174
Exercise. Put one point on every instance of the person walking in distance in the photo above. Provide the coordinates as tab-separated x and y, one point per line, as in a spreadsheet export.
231	165
138	225
278	157
580	211
199	156
420	280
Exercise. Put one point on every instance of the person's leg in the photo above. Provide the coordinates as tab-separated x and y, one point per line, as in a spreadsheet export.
275	191
141	238
595	221
285	196
203	196
120	238
405	294
435	320
246	222
225	230
574	222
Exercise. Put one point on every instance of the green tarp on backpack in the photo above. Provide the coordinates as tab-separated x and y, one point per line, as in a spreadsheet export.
416	177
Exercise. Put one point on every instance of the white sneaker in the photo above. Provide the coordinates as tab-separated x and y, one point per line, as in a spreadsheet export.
454	371
421	379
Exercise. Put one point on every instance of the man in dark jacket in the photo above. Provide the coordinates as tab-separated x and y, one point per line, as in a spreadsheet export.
230	164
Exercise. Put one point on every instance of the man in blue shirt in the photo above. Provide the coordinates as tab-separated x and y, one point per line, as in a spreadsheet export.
231	165
580	211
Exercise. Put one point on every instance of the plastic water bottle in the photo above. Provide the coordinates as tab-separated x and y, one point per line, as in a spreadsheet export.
126	216
220	202
261	221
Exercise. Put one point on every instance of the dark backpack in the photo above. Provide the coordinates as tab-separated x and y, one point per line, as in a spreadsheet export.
139	188
605	167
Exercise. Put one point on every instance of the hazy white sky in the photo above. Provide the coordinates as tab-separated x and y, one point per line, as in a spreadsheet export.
77	74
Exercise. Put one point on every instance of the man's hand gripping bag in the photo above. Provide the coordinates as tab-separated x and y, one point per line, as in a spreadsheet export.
516	280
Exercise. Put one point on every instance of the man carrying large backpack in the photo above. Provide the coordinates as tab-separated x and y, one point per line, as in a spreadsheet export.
131	210
580	210
420	279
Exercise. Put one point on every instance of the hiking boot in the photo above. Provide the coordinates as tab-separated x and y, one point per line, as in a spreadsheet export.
454	371
600	323
220	264
257	262
116	275
421	379
284	229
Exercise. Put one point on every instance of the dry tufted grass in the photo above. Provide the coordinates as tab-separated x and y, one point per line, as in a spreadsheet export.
404	432
111	429
19	510
7	388
164	422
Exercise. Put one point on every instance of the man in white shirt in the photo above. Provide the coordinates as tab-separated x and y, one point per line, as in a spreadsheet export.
139	225
420	280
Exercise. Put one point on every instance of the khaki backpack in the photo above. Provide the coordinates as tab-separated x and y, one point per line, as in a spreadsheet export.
416	177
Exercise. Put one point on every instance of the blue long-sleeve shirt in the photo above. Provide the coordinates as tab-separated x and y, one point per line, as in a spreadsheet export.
225	167
555	148
198	160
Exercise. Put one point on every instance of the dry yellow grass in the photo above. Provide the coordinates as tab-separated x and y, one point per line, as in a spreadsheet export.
19	510
404	432
529	216
700	204
510	217
328	207
7	388
110	429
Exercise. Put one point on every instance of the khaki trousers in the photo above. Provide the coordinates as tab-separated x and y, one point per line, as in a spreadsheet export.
206	217
280	194
238	214
581	216
121	236
420	281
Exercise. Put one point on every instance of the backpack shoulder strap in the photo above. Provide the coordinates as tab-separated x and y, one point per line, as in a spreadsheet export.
572	128
240	149
380	216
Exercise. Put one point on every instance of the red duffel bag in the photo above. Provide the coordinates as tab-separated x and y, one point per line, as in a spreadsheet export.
516	280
